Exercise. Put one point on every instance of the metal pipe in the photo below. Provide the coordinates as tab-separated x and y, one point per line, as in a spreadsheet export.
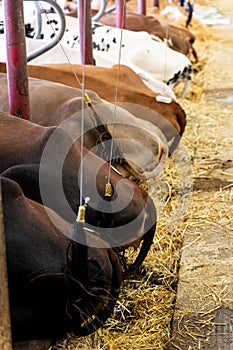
38	30
85	31
112	8
120	14
59	33
142	7
18	91
100	13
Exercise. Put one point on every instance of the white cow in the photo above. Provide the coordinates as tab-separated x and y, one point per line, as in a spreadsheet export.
142	53
138	50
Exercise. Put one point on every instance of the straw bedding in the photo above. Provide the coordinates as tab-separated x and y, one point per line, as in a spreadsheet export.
143	314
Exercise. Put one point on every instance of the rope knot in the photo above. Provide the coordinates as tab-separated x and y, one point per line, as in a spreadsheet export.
82	211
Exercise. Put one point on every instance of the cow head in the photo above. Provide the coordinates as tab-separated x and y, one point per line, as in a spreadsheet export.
136	147
96	281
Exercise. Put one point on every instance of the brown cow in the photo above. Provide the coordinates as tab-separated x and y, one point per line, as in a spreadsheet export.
141	145
55	283
49	172
132	92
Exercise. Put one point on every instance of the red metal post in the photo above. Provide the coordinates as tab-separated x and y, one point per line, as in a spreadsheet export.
120	14
16	59
85	31
142	7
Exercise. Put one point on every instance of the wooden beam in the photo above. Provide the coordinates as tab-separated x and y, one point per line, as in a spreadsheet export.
5	326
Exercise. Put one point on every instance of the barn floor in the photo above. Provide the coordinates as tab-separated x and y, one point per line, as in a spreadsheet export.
198	226
203	316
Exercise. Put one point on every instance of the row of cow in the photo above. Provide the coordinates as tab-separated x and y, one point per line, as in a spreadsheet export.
38	165
22	164
159	53
48	157
64	275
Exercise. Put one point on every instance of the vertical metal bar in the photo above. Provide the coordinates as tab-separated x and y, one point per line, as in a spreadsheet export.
120	14
5	326
142	7
85	31
16	59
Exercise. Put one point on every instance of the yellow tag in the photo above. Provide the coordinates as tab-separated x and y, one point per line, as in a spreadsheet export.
87	98
81	214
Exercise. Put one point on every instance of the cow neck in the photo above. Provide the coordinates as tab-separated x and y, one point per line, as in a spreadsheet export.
101	128
104	134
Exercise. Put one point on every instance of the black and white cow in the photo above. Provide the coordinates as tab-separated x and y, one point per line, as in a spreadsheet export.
142	53
160	67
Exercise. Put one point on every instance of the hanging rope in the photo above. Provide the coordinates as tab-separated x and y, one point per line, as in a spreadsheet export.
108	186
165	56
82	208
86	99
61	46
83	105
79	234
